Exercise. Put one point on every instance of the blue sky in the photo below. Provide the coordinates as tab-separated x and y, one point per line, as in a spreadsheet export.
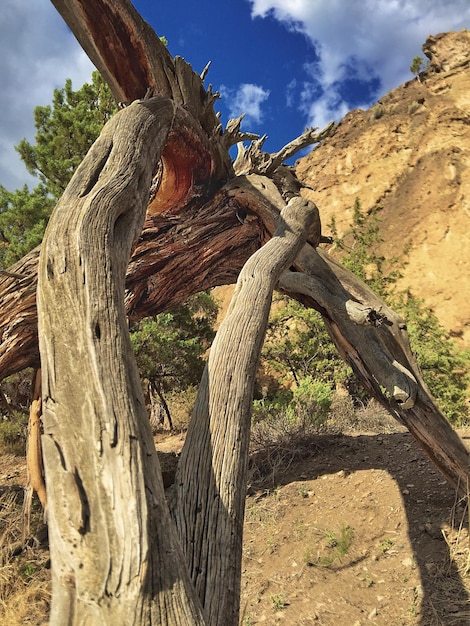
287	64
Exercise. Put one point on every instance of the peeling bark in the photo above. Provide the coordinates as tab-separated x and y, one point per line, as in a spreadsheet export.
175	256
34	460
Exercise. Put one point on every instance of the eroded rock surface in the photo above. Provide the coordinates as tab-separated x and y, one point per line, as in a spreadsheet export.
409	154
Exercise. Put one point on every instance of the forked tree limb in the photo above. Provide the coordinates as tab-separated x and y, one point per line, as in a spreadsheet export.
208	246
378	351
116	555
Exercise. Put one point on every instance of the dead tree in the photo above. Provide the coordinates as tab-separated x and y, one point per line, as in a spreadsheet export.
159	185
109	527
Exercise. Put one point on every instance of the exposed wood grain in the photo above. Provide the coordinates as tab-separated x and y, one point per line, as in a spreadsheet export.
211	478
34	460
116	557
110	531
132	60
175	256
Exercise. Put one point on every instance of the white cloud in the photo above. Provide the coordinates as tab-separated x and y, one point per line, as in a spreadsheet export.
247	99
369	39
37	54
324	109
290	93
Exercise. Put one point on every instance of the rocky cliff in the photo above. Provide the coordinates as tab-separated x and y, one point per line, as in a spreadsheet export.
409	155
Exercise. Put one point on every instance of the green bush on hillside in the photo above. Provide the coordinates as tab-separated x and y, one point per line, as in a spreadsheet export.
298	346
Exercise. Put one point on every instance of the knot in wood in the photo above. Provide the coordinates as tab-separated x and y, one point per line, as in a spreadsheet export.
306	213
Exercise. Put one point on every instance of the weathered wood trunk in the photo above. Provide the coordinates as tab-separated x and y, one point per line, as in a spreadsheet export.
115	554
357	320
210	482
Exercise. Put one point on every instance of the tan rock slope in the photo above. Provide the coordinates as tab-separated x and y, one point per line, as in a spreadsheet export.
409	154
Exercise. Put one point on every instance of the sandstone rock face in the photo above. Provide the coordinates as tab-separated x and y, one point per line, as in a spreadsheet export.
409	155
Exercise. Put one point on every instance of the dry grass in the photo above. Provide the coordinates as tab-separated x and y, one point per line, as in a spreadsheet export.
370	416
24	566
279	441
456	573
277	444
457	537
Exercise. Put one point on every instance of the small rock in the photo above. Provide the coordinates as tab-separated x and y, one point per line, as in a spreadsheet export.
419	591
373	613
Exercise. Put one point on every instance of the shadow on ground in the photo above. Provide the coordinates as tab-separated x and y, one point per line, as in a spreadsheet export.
429	501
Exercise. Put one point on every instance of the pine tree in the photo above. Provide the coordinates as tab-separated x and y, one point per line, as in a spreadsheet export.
417	66
66	131
23	219
170	348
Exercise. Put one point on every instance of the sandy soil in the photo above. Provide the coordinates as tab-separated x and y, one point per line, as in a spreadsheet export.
361	531
365	531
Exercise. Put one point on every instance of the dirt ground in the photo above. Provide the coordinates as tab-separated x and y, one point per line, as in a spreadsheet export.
365	531
361	531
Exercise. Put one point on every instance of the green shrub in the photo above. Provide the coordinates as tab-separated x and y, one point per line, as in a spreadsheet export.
313	398
377	112
445	365
297	346
13	433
